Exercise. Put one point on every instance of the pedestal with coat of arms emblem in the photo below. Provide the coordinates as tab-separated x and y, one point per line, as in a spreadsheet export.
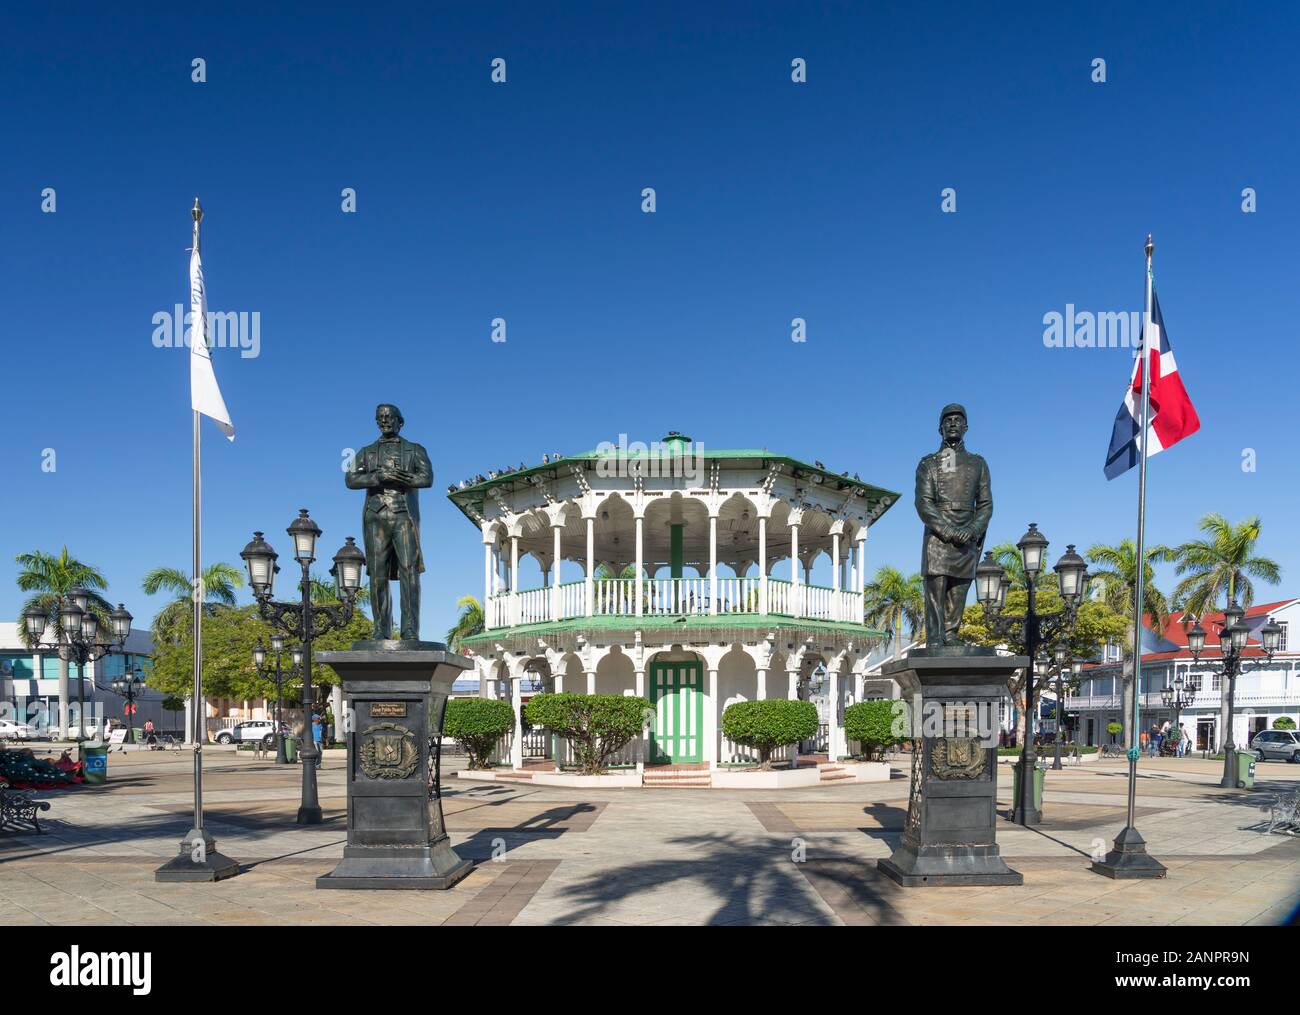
397	694
950	835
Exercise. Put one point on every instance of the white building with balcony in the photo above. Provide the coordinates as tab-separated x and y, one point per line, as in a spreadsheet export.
678	574
1266	690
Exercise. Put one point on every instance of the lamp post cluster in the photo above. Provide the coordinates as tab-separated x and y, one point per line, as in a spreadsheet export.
991	586
1173	698
1233	636
1063	665
129	685
80	639
277	674
304	620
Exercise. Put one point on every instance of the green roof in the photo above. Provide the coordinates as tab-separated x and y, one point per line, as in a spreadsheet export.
694	622
878	499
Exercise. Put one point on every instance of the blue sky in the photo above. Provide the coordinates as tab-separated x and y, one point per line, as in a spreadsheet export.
523	201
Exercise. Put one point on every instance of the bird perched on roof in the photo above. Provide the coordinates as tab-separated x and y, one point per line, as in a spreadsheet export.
545	458
818	464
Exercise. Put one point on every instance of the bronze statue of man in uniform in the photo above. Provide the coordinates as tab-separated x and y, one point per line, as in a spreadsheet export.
955	502
392	471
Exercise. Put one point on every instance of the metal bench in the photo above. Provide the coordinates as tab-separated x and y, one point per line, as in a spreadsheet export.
1281	811
17	808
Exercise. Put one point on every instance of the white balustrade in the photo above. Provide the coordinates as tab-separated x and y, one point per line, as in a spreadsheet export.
817	602
573	600
534	606
615	597
780	597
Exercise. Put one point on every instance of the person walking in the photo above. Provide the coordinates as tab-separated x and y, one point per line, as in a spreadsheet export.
317	733
1182	740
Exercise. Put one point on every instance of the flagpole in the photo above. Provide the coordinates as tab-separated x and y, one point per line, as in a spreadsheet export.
198	859
1129	857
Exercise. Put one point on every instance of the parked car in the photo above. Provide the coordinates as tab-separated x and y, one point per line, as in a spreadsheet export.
92	727
11	730
1277	745
250	731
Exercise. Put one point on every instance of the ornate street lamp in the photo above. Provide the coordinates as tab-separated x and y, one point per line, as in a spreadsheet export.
1039	631
129	685
305	621
1233	638
1173	698
1061	662
276	673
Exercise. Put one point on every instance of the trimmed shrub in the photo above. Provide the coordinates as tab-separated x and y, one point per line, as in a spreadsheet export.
767	725
477	724
876	725
597	726
1284	722
1114	728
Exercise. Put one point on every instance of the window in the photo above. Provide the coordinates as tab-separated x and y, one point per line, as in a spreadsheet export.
1281	642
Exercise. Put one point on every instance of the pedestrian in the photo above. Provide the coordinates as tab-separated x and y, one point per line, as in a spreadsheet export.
317	732
1144	737
1154	740
1182	741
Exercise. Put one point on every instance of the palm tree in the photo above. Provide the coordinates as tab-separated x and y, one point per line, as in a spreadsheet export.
892	599
49	577
1008	555
323	591
1116	582
468	623
1223	564
219	582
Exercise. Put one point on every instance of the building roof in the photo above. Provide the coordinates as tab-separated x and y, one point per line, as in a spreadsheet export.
474	494
1178	624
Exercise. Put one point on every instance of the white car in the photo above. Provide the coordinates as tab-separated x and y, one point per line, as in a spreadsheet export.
10	730
250	731
91	728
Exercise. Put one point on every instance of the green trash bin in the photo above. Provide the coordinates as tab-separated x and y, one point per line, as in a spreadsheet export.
1040	772
291	749
94	764
1245	769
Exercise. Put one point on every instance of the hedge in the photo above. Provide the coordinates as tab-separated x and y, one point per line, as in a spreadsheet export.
876	724
767	725
597	726
477	724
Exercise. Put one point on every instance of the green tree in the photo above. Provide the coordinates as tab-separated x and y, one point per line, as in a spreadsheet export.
597	726
1221	566
1116	580
49	577
768	724
219	582
469	622
477	724
891	601
1284	722
876	725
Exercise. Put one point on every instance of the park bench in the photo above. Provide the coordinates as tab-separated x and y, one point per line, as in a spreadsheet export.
1281	811
17	808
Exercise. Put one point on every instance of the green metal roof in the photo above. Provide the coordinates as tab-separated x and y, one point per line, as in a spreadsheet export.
475	495
691	623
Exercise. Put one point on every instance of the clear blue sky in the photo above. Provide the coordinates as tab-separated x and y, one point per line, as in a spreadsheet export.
522	201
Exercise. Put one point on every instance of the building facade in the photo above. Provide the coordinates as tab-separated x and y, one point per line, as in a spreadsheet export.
1266	690
688	583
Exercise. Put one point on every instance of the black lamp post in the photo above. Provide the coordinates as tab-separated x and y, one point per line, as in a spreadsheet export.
991	585
304	620
79	639
128	685
1233	636
1061	662
1172	696
277	674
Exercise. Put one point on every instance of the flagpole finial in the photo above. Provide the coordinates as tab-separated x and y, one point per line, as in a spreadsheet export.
1150	245
197	211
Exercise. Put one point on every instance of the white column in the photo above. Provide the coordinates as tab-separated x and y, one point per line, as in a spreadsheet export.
336	706
794	571
762	684
792	689
591	565
591	681
711	717
833	715
514	579
713	563
640	566
762	564
517	741
835	576
555	579
645	729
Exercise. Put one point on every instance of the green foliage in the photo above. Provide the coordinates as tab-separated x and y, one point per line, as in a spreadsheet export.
1114	728
876	724
1222	565
228	639
767	725
1114	574
1284	722
219	582
1095	623
49	576
477	724
173	703
891	601
469	622
597	725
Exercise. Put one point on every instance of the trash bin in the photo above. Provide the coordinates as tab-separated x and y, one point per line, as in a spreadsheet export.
1245	769
291	748
94	763
1039	774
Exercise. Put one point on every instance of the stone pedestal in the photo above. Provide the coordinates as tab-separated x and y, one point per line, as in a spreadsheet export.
397	692
950	836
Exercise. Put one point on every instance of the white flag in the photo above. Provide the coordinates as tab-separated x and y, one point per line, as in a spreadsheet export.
205	396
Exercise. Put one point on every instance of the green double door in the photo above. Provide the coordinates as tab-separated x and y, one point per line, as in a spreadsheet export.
676	691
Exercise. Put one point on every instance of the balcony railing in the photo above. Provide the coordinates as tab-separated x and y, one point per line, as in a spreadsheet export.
673	597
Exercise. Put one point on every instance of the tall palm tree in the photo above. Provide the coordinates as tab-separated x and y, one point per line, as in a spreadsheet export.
327	591
1008	555
1116	581
891	600
219	583
1222	565
49	577
468	623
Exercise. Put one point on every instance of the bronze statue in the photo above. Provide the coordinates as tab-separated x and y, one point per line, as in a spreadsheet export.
954	501
392	471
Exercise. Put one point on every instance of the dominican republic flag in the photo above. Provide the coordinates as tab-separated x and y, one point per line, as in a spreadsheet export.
1173	416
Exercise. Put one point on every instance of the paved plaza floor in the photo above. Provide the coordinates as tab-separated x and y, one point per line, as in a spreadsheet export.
548	855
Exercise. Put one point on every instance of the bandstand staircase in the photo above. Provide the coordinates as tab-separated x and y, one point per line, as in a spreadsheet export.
686	776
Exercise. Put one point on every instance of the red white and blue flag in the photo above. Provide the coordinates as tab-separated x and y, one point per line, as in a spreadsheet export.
1172	415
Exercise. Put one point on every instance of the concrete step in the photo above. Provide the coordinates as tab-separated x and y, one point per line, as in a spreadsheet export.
524	776
835	776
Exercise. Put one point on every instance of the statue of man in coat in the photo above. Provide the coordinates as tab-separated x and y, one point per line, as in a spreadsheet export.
392	471
954	500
